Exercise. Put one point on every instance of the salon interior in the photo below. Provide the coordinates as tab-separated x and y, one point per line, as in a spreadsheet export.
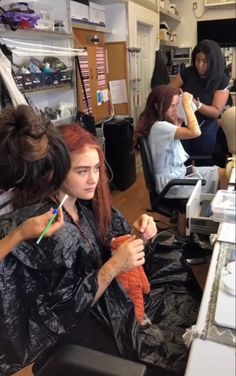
95	63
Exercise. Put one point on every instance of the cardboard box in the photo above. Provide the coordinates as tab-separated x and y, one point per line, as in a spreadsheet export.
164	34
162	3
97	13
79	11
172	8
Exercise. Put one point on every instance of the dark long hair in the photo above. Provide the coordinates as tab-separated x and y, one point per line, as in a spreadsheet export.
77	139
158	102
33	157
215	62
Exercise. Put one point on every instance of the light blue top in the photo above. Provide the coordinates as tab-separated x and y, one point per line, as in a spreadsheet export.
168	160
168	154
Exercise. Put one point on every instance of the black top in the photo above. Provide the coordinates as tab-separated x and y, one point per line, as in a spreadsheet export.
196	85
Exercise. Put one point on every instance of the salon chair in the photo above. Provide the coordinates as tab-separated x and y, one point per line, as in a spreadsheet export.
75	360
167	207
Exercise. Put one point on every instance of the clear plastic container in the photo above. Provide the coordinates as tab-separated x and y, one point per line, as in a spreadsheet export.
223	206
45	11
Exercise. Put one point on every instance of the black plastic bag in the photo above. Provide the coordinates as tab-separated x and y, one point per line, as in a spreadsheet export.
44	292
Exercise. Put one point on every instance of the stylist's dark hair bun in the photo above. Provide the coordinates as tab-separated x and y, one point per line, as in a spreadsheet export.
26	133
33	156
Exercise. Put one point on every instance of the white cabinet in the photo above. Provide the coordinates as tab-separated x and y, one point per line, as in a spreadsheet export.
211	3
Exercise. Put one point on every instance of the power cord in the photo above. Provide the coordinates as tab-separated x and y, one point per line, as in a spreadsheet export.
104	147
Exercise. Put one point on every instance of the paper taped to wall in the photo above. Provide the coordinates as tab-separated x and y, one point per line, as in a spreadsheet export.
118	91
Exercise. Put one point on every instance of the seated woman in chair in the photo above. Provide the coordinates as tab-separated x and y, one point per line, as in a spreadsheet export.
64	289
160	123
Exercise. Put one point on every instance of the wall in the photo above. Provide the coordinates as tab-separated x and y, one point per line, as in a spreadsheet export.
116	20
137	13
123	19
140	15
187	29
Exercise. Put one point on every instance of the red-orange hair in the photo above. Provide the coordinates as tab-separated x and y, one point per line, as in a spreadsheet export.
76	139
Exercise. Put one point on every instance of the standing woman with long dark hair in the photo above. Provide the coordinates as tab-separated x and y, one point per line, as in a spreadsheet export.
205	79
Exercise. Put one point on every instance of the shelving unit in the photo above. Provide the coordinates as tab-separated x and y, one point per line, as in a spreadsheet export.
25	44
88	26
34	34
179	57
219	3
166	14
39	42
182	54
50	88
167	43
172	20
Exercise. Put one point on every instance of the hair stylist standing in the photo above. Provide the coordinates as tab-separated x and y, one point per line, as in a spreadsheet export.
206	81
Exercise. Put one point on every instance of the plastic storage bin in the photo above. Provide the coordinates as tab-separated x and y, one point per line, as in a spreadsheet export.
43	10
223	206
79	11
97	13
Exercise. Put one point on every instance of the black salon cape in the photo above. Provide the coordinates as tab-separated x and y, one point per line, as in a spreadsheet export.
46	288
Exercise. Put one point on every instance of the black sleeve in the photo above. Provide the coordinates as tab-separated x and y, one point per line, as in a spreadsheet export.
223	83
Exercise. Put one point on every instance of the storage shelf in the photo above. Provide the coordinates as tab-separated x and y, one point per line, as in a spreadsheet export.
87	26
35	34
49	87
169	14
66	120
168	43
180	58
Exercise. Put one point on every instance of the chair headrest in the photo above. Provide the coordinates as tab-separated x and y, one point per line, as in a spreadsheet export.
228	124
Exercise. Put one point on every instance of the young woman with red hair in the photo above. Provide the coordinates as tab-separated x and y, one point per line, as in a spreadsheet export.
106	320
68	292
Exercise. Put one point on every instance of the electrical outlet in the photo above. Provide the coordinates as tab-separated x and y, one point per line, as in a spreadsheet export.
194	5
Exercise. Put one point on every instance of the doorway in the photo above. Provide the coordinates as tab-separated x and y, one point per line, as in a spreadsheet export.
143	42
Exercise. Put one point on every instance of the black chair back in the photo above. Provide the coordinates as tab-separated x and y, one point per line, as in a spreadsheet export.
75	360
147	163
150	181
159	203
